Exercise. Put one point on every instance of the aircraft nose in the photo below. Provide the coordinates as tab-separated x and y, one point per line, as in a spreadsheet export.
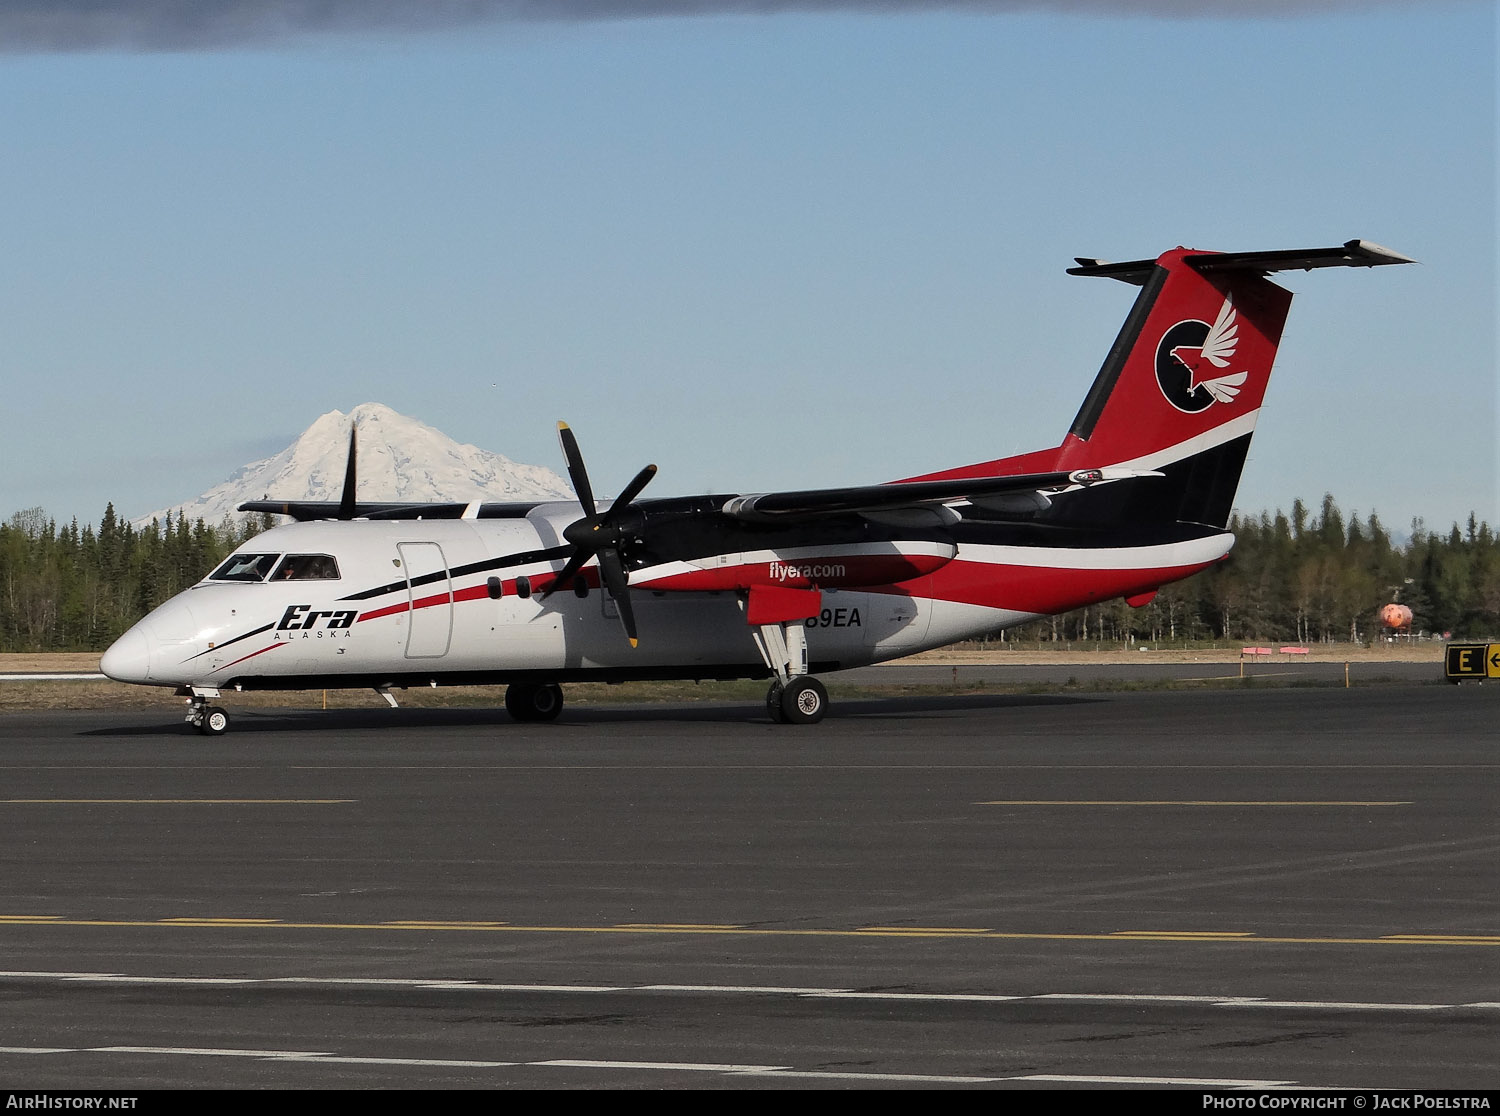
128	658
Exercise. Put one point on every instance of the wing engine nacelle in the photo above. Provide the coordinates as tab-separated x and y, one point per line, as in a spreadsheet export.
851	566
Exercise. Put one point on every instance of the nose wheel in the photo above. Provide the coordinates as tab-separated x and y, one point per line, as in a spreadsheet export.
210	720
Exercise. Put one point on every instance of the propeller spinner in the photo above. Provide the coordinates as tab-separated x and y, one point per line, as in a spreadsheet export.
598	535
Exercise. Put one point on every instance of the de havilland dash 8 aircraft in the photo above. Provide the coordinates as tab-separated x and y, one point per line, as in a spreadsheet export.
783	585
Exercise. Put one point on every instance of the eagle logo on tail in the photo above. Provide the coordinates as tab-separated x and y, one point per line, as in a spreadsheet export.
1199	350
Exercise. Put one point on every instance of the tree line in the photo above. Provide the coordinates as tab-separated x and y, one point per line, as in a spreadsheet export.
1298	577
74	588
1308	577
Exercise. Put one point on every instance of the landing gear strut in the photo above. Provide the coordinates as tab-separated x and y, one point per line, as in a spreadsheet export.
534	701
795	698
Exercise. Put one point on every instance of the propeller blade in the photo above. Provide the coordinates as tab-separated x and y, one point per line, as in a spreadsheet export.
618	585
632	490
568	572
576	472
347	505
598	536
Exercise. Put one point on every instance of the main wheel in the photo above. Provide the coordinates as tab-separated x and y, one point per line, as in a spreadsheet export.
534	701
215	721
804	701
773	703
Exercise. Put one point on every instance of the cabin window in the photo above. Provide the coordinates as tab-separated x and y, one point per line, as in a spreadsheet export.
495	587
523	587
245	567
307	567
580	588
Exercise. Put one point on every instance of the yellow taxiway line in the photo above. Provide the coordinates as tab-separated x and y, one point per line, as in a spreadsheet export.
1208	937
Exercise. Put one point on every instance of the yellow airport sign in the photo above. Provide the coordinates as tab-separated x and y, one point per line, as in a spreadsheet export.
1471	660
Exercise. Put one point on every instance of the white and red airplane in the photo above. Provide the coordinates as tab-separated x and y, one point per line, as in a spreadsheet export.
780	584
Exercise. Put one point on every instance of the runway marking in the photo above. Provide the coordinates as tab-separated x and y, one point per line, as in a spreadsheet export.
1196	1082
723	1068
194	921
509	769
1119	997
919	997
710	1067
36	1050
440	924
205	1051
165	980
1237	937
755	989
791	992
1445	939
441	1063
1171	802
176	801
1343	1005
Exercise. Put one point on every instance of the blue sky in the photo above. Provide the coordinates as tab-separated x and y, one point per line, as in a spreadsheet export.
762	250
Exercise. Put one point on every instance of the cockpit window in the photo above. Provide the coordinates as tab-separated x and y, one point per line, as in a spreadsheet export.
307	567
245	567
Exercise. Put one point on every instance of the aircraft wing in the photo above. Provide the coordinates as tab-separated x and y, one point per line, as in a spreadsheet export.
303	510
766	507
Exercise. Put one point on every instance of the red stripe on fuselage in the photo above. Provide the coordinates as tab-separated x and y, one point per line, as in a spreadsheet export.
242	658
1041	589
828	571
539	584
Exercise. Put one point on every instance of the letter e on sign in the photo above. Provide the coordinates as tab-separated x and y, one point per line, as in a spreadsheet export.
1468	660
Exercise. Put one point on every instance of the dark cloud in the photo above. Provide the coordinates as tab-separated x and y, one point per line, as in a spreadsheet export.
29	26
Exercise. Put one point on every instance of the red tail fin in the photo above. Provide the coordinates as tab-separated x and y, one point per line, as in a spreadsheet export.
1187	372
1181	388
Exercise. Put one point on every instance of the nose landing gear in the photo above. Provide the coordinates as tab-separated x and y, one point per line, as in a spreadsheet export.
210	720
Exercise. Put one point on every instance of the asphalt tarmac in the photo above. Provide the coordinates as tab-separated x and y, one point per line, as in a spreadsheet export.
1290	887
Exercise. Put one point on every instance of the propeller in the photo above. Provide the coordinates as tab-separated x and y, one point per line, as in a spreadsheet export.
599	535
347	506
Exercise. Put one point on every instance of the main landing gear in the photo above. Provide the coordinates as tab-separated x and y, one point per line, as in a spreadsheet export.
795	698
534	701
802	701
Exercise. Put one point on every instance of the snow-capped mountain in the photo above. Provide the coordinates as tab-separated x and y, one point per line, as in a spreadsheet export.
399	459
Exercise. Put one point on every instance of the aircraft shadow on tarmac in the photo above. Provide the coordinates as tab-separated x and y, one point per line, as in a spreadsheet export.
249	721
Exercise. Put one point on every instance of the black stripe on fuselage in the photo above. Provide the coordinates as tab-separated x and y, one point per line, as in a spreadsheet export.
228	642
523	558
1196	489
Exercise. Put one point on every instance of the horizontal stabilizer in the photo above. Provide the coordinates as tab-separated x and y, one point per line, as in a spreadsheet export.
1352	253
